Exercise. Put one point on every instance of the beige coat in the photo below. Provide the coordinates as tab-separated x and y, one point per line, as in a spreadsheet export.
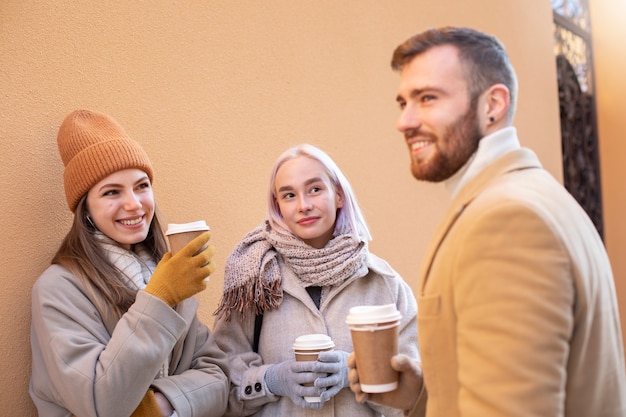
517	307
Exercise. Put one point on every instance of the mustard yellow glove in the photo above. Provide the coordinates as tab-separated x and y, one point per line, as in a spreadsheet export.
180	276
148	406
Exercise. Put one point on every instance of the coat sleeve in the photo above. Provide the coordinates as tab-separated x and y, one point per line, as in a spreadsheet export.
513	298
248	392
407	305
199	385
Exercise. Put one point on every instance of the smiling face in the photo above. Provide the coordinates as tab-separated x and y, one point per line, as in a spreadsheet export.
307	200
438	119
122	206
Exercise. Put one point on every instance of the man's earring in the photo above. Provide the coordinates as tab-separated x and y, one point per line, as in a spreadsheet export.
491	119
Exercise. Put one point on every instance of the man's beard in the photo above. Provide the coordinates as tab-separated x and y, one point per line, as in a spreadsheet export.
461	141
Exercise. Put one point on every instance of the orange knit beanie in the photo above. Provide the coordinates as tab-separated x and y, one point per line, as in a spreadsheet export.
93	146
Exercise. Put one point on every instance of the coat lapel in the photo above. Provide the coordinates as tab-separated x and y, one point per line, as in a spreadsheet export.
512	161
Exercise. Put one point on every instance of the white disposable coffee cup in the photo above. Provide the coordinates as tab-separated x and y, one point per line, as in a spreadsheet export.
180	234
374	331
307	347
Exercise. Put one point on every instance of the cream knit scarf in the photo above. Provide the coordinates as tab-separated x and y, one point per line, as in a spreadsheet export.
253	281
136	267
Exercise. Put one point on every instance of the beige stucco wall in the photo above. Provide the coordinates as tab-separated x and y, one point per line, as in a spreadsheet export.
214	91
609	32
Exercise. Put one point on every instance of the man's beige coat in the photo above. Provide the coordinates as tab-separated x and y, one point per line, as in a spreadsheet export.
517	307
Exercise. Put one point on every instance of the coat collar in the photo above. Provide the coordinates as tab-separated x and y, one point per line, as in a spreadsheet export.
515	160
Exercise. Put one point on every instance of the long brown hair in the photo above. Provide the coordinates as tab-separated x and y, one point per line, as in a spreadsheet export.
84	257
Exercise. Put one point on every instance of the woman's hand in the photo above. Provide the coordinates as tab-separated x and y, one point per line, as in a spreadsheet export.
164	405
182	275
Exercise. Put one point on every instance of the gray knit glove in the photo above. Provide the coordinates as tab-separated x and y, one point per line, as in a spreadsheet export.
286	379
333	364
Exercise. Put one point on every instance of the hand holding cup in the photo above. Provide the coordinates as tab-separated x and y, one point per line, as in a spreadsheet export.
404	397
307	348
182	275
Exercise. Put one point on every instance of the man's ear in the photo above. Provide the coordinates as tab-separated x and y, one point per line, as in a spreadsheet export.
497	100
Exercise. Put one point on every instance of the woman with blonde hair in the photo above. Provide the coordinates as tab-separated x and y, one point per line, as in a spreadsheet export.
298	273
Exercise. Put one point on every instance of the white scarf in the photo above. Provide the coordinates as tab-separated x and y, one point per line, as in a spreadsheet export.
136	267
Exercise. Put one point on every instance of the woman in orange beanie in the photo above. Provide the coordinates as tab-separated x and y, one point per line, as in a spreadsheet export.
114	326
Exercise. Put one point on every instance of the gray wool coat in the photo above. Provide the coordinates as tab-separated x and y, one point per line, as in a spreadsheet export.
298	315
82	368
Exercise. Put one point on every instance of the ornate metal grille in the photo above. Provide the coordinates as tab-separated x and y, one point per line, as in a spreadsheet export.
579	139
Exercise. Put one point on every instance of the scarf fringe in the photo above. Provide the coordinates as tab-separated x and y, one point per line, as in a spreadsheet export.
252	299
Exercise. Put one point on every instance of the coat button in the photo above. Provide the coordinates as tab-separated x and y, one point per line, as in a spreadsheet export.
248	390
257	387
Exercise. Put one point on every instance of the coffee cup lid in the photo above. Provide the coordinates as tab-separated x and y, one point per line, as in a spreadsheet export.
173	228
313	342
373	314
